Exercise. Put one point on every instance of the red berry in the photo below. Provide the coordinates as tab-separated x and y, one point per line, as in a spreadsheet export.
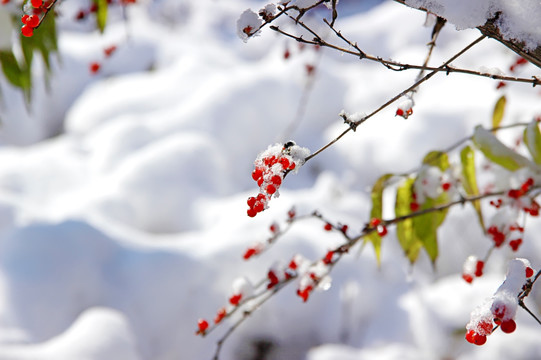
259	207
235	299
37	3
274	228
500	85
479	339
251	201
293	265
252	212
249	253
328	259
399	112
446	186
247	30
291	213
305	293
257	174
375	222
499	311
276	180
80	15
32	21
220	315
468	278
327	227
27	31
508	326
382	230
24	18
344	228
109	50
414	206
515	244
470	335
202	326
309	69
284	162
94	67
529	272
479	268
291	166
271	189
273	279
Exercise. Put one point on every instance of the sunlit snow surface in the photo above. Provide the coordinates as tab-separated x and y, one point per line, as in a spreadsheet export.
122	231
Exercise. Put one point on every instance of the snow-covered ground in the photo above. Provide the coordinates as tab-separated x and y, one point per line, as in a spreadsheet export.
123	193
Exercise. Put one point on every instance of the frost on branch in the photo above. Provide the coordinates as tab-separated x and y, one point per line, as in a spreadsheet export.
502	307
271	166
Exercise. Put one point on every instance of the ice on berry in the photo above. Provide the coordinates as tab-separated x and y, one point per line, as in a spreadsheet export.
248	24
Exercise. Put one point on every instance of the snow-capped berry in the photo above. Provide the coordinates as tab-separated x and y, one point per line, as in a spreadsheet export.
382	230
251	251
273	279
248	24
220	315
529	272
327	227
399	112
271	189
508	326
305	293
202	326
32	21
329	257
235	299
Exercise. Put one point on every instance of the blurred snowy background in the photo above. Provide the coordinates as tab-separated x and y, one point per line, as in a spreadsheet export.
123	193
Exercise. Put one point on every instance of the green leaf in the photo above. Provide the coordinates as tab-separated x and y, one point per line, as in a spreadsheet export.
499	109
426	226
438	159
497	152
377	212
469	180
404	228
13	72
532	139
101	14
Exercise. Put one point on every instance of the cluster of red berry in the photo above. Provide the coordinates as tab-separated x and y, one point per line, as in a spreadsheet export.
513	68
269	172
472	268
500	312
32	19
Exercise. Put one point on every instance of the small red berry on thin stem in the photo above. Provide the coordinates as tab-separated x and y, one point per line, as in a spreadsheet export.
328	227
202	326
508	326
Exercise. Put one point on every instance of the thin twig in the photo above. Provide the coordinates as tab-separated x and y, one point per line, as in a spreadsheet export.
398	96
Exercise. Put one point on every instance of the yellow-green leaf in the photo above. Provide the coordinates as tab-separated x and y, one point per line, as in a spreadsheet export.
377	212
404	228
438	159
497	152
532	139
499	109
101	14
469	180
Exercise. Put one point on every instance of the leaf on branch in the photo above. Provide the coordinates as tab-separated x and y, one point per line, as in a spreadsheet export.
101	14
438	159
14	73
426	226
469	180
532	139
404	228
377	212
499	110
497	152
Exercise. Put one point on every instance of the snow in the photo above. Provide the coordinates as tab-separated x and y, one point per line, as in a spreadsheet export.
123	194
515	20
